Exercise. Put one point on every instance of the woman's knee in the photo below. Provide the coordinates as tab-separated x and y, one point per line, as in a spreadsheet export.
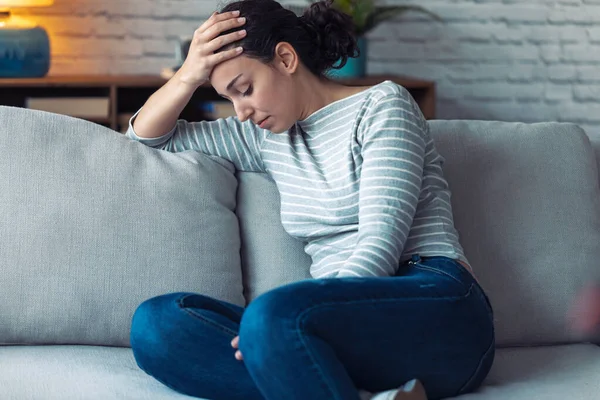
267	321
151	326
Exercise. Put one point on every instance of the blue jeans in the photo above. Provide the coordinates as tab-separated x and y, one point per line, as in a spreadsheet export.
323	339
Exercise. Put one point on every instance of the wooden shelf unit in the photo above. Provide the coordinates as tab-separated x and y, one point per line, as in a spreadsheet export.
128	93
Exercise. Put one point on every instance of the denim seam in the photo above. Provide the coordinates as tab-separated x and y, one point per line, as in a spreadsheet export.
438	271
220	304
474	375
232	309
389	299
304	314
300	334
207	321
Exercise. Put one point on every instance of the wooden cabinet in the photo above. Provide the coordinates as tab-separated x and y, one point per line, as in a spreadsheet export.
127	93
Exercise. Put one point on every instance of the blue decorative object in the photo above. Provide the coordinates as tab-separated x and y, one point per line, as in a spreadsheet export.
24	52
355	67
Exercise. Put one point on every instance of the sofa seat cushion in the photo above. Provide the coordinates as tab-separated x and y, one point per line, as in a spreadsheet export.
77	373
547	372
100	373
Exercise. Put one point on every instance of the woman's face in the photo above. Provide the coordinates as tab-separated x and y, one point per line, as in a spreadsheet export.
258	91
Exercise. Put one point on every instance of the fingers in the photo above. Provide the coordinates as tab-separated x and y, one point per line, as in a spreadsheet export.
201	57
221	56
222	26
235	343
225	39
213	27
216	17
206	39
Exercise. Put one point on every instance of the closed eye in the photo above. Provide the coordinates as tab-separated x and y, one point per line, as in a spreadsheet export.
248	92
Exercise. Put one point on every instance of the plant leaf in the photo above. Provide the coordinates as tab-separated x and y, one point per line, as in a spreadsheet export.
366	15
363	9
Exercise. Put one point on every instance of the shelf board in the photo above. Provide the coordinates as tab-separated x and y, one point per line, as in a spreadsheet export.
155	80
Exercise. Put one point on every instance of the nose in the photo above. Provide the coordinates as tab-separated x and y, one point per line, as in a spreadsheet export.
243	111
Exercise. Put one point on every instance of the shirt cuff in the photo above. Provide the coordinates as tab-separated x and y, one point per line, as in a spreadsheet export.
156	141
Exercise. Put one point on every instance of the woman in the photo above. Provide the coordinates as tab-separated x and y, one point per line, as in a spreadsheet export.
393	307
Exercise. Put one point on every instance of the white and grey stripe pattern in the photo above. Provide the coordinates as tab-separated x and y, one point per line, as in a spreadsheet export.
360	179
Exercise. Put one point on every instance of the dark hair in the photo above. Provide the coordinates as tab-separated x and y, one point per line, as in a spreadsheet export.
321	36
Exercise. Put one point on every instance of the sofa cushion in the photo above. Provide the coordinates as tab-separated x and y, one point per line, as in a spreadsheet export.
546	372
99	373
270	257
93	223
526	203
595	140
77	373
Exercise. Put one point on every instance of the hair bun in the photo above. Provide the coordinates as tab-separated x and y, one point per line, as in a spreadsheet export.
333	32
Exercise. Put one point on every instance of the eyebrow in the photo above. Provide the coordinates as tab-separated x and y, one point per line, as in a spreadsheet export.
228	88
233	82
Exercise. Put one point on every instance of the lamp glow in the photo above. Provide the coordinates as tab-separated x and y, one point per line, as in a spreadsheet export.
25	3
24	46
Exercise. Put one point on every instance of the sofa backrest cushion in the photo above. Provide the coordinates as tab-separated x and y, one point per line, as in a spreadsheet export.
526	203
270	257
595	140
93	223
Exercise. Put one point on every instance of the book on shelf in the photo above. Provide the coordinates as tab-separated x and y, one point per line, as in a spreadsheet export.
218	109
79	107
168	72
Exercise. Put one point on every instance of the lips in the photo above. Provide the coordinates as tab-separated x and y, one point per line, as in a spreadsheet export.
262	123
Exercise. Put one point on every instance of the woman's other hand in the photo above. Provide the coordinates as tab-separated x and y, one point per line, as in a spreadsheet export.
235	343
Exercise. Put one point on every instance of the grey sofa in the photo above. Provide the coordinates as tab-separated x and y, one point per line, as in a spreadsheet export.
92	224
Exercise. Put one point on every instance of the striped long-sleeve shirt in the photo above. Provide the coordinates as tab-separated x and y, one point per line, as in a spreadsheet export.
360	180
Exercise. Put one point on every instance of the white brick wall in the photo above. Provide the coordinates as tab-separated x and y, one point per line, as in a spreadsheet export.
512	60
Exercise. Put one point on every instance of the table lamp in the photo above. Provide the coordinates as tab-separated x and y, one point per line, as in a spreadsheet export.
24	46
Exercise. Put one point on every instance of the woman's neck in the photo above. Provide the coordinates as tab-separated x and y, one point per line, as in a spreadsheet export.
320	93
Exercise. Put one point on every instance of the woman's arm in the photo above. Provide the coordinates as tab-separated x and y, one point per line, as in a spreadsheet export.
159	114
227	138
156	124
161	111
393	138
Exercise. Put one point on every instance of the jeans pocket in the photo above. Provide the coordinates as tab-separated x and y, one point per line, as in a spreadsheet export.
438	271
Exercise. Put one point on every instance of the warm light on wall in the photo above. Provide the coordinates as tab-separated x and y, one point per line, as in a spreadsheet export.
24	47
24	3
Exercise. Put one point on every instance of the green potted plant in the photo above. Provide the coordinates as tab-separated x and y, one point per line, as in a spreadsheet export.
366	15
